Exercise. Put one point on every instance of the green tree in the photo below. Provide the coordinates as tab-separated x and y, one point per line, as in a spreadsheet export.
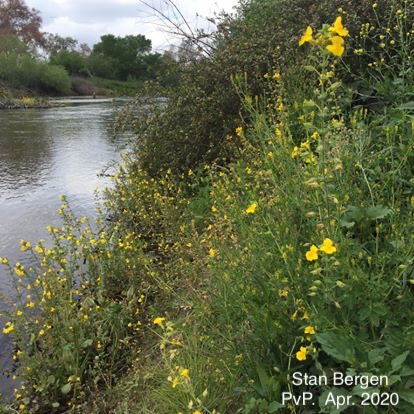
72	61
127	55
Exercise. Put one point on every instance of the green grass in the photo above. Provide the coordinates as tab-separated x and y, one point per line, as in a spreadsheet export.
118	87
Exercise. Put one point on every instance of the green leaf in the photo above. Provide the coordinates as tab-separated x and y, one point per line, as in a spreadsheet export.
309	103
345	223
376	355
335	86
406	371
87	343
274	406
352	216
130	293
310	68
393	379
308	125
263	377
65	389
407	395
378	212
398	361
337	345
408	105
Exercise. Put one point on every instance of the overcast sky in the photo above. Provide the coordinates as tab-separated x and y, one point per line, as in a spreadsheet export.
87	20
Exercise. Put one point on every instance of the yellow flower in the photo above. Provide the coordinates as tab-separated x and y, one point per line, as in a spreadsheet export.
312	253
8	328
338	28
307	36
337	47
39	249
239	131
212	252
3	260
328	247
295	152
309	330
24	245
283	293
185	372
301	355
175	382
251	209
197	412
276	75
158	321
41	332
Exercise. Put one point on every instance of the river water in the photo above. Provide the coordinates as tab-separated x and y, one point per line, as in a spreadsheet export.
45	153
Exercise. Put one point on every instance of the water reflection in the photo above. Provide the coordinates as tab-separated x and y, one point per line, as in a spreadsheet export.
17	169
44	153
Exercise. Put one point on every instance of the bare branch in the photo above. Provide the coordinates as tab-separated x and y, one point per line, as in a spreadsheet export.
178	25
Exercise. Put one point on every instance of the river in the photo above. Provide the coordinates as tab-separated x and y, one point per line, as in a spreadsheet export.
45	153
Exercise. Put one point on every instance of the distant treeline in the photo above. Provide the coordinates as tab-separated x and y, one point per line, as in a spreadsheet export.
44	63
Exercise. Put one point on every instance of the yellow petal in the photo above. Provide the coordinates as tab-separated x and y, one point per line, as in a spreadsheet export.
336	48
307	36
338	28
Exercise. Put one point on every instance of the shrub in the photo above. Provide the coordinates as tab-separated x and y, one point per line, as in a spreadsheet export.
73	324
73	62
54	79
262	38
23	71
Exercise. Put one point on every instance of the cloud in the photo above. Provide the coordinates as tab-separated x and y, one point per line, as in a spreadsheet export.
87	20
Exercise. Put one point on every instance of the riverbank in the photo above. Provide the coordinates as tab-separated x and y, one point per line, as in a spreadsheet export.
237	241
24	103
12	98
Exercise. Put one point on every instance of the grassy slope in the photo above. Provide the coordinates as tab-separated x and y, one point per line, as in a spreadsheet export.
243	283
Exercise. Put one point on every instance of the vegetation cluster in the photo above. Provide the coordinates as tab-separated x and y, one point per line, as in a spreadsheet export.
33	62
261	226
